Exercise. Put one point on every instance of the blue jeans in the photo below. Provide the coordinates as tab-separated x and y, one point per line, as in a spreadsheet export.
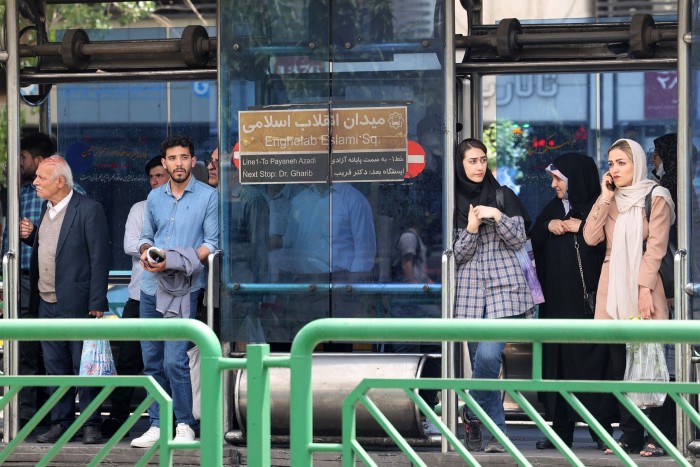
486	360
167	362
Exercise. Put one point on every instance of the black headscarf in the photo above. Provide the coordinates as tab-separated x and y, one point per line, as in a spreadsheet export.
666	147
482	194
583	185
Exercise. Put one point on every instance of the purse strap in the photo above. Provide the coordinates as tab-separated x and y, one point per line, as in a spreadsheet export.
580	267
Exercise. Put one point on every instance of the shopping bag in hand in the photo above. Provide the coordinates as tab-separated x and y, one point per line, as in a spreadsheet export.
96	359
646	363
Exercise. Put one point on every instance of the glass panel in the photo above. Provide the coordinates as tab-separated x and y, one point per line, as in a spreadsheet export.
109	131
537	118
107	146
312	220
540	117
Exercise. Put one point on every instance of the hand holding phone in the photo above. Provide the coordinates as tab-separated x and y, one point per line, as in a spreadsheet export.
155	255
609	183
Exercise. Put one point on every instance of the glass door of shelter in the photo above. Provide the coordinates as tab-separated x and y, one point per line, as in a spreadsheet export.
332	129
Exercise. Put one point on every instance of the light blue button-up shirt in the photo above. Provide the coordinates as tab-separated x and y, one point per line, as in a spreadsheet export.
330	231
191	221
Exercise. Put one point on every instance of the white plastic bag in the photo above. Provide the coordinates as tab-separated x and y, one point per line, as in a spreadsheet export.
96	359
193	354
646	363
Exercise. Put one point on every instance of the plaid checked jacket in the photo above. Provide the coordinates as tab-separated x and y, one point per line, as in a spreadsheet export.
490	283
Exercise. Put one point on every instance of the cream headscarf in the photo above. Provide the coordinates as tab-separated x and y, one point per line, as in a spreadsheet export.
626	251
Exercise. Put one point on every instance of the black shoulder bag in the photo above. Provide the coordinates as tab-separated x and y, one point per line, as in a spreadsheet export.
588	297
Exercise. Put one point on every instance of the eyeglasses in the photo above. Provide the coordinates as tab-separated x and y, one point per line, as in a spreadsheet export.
213	162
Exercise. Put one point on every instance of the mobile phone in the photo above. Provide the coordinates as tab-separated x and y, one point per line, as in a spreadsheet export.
488	220
611	186
155	255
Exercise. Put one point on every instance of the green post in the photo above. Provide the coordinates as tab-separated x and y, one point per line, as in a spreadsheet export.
212	406
300	398
258	423
349	422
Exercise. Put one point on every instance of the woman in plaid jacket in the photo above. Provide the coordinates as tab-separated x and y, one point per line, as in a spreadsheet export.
491	228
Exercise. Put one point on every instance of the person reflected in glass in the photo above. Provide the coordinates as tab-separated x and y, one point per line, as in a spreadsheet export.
564	261
279	200
330	238
409	266
490	282
630	285
426	190
247	230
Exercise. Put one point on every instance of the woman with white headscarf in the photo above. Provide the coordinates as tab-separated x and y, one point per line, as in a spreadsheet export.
630	284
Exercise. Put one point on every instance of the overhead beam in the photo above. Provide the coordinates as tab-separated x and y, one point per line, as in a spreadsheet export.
509	47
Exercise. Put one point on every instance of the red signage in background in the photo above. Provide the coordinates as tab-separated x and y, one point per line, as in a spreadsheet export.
416	159
236	155
660	94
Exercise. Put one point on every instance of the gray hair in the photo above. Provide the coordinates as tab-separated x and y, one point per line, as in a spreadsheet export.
60	169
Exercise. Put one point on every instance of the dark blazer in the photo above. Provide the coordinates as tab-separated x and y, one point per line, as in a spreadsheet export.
82	260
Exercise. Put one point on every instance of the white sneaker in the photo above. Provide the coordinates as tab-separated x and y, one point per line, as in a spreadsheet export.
183	432
147	439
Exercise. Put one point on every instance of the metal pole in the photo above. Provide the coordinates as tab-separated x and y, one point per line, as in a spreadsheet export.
684	158
477	106
449	409
45	117
13	184
592	65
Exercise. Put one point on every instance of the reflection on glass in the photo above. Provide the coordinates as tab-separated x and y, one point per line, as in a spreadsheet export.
323	239
108	132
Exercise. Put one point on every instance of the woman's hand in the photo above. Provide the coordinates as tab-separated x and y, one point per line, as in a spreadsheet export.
473	221
487	212
557	227
646	304
572	224
560	227
605	186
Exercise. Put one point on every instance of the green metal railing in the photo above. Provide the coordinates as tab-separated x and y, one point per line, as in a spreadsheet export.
537	332
211	438
302	446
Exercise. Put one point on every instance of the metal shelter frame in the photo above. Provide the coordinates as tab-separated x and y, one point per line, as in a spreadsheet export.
509	47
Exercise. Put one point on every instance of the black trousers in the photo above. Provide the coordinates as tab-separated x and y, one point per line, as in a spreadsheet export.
129	362
63	358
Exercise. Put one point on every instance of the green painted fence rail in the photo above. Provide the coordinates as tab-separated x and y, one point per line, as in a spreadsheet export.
211	429
537	332
302	447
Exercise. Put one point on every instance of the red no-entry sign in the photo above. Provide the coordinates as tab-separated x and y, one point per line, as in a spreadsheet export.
416	159
236	155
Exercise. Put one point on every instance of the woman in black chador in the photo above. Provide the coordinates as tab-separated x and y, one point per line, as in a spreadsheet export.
555	235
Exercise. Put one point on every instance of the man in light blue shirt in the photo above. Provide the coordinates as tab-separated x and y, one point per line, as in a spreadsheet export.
182	215
330	231
330	237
